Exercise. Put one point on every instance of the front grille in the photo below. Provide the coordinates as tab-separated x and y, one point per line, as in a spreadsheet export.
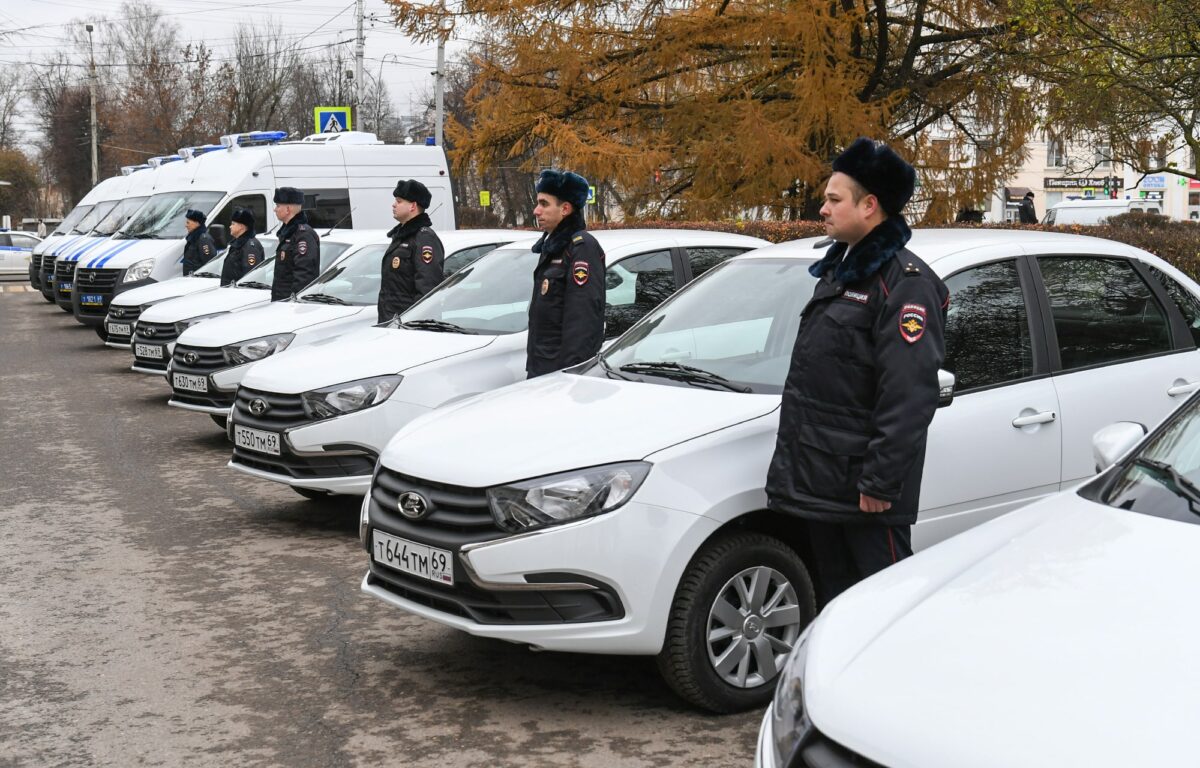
306	467
457	515
124	314
99	282
283	411
64	274
819	751
35	267
155	333
207	360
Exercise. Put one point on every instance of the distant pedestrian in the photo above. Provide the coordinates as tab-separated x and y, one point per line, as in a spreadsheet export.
1026	211
414	263
298	257
566	313
245	252
198	247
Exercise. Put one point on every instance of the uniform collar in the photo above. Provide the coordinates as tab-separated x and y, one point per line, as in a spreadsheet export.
554	243
871	253
401	231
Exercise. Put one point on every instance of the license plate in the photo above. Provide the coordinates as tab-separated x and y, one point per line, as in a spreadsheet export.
124	329
190	383
152	351
410	557
255	439
63	286
91	299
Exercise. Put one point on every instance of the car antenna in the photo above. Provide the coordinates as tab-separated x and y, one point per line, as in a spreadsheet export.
339	221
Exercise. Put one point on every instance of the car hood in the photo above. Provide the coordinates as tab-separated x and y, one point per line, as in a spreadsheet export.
225	299
269	319
126	253
1057	635
82	249
168	289
560	422
48	244
358	355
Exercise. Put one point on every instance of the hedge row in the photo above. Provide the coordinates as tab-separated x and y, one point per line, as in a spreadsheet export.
1177	242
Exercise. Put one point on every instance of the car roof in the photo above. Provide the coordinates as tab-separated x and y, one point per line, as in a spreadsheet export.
620	239
933	245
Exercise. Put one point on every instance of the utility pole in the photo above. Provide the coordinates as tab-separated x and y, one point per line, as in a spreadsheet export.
92	88
359	43
440	107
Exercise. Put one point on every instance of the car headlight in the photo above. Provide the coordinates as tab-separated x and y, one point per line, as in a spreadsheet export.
256	349
183	325
349	397
565	497
790	722
139	271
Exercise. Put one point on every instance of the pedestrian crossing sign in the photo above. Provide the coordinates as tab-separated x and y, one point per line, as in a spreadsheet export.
331	119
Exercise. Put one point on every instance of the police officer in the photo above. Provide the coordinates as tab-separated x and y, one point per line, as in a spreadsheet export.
1026	213
414	262
863	382
198	247
298	257
245	252
566	314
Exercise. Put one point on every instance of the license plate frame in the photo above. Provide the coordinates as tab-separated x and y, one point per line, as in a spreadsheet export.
64	287
257	440
91	299
150	352
413	558
120	329
189	383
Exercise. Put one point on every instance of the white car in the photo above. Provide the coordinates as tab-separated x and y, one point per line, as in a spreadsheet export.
159	325
209	360
619	507
317	418
16	252
1060	634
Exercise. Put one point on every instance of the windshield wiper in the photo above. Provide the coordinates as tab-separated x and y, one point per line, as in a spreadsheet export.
204	274
609	371
434	325
1170	477
685	373
253	284
144	236
324	298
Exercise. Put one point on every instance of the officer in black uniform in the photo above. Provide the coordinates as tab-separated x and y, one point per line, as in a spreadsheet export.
245	252
298	257
566	314
414	263
198	247
863	382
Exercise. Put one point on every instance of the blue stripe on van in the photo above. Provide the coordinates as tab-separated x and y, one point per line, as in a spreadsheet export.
114	253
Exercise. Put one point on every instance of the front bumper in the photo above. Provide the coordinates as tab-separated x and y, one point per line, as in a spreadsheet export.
99	291
764	753
221	382
636	553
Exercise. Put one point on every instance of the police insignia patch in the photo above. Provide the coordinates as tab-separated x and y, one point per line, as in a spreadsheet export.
912	322
427	253
580	272
545	286
302	247
251	261
283	255
206	250
395	262
858	296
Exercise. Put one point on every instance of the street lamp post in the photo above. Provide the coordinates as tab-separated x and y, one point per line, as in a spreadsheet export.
92	89
379	91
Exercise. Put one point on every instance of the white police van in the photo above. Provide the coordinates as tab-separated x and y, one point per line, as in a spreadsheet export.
347	179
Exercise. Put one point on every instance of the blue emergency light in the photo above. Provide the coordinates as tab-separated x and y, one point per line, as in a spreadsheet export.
429	141
163	160
187	153
252	138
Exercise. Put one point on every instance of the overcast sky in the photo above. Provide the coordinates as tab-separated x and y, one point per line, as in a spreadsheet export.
406	67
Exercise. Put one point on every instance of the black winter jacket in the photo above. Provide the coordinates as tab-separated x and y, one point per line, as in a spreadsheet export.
412	266
298	258
198	248
566	313
862	387
245	253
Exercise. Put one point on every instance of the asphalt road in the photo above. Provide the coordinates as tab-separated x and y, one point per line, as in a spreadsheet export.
158	609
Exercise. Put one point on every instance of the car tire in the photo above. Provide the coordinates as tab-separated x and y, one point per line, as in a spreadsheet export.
312	494
730	570
220	421
48	299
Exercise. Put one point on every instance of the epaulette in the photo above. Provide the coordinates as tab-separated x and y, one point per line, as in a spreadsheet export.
911	270
577	239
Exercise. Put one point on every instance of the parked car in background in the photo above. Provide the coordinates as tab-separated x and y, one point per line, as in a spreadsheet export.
16	252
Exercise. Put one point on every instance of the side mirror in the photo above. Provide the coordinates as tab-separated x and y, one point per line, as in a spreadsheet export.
945	388
1114	441
217	233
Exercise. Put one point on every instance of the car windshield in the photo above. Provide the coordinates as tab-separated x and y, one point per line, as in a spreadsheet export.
353	280
74	217
93	217
120	214
212	268
262	275
161	218
731	329
1162	478
489	296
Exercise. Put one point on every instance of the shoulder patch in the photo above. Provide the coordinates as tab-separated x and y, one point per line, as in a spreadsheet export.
427	253
912	322
251	261
395	262
302	247
580	272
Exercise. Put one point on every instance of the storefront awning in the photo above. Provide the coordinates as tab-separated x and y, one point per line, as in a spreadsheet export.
1015	193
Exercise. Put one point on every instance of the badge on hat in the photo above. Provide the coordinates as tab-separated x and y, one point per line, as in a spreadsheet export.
395	262
545	286
302	247
912	322
427	253
580	272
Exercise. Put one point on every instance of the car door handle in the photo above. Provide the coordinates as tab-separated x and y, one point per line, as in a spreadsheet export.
1182	387
1033	418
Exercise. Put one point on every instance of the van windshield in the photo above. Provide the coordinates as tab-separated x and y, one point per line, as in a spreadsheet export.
119	215
489	296
93	217
161	218
74	217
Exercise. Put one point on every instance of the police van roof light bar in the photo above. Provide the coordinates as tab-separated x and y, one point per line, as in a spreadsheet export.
252	138
187	153
163	160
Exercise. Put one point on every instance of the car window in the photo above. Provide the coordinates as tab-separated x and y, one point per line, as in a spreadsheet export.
703	259
1158	478
987	327
1102	310
460	259
1188	306
633	287
24	241
257	204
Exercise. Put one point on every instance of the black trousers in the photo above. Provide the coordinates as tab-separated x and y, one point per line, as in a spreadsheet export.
844	554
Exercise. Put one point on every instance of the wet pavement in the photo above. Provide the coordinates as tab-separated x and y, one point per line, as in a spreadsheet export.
159	609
